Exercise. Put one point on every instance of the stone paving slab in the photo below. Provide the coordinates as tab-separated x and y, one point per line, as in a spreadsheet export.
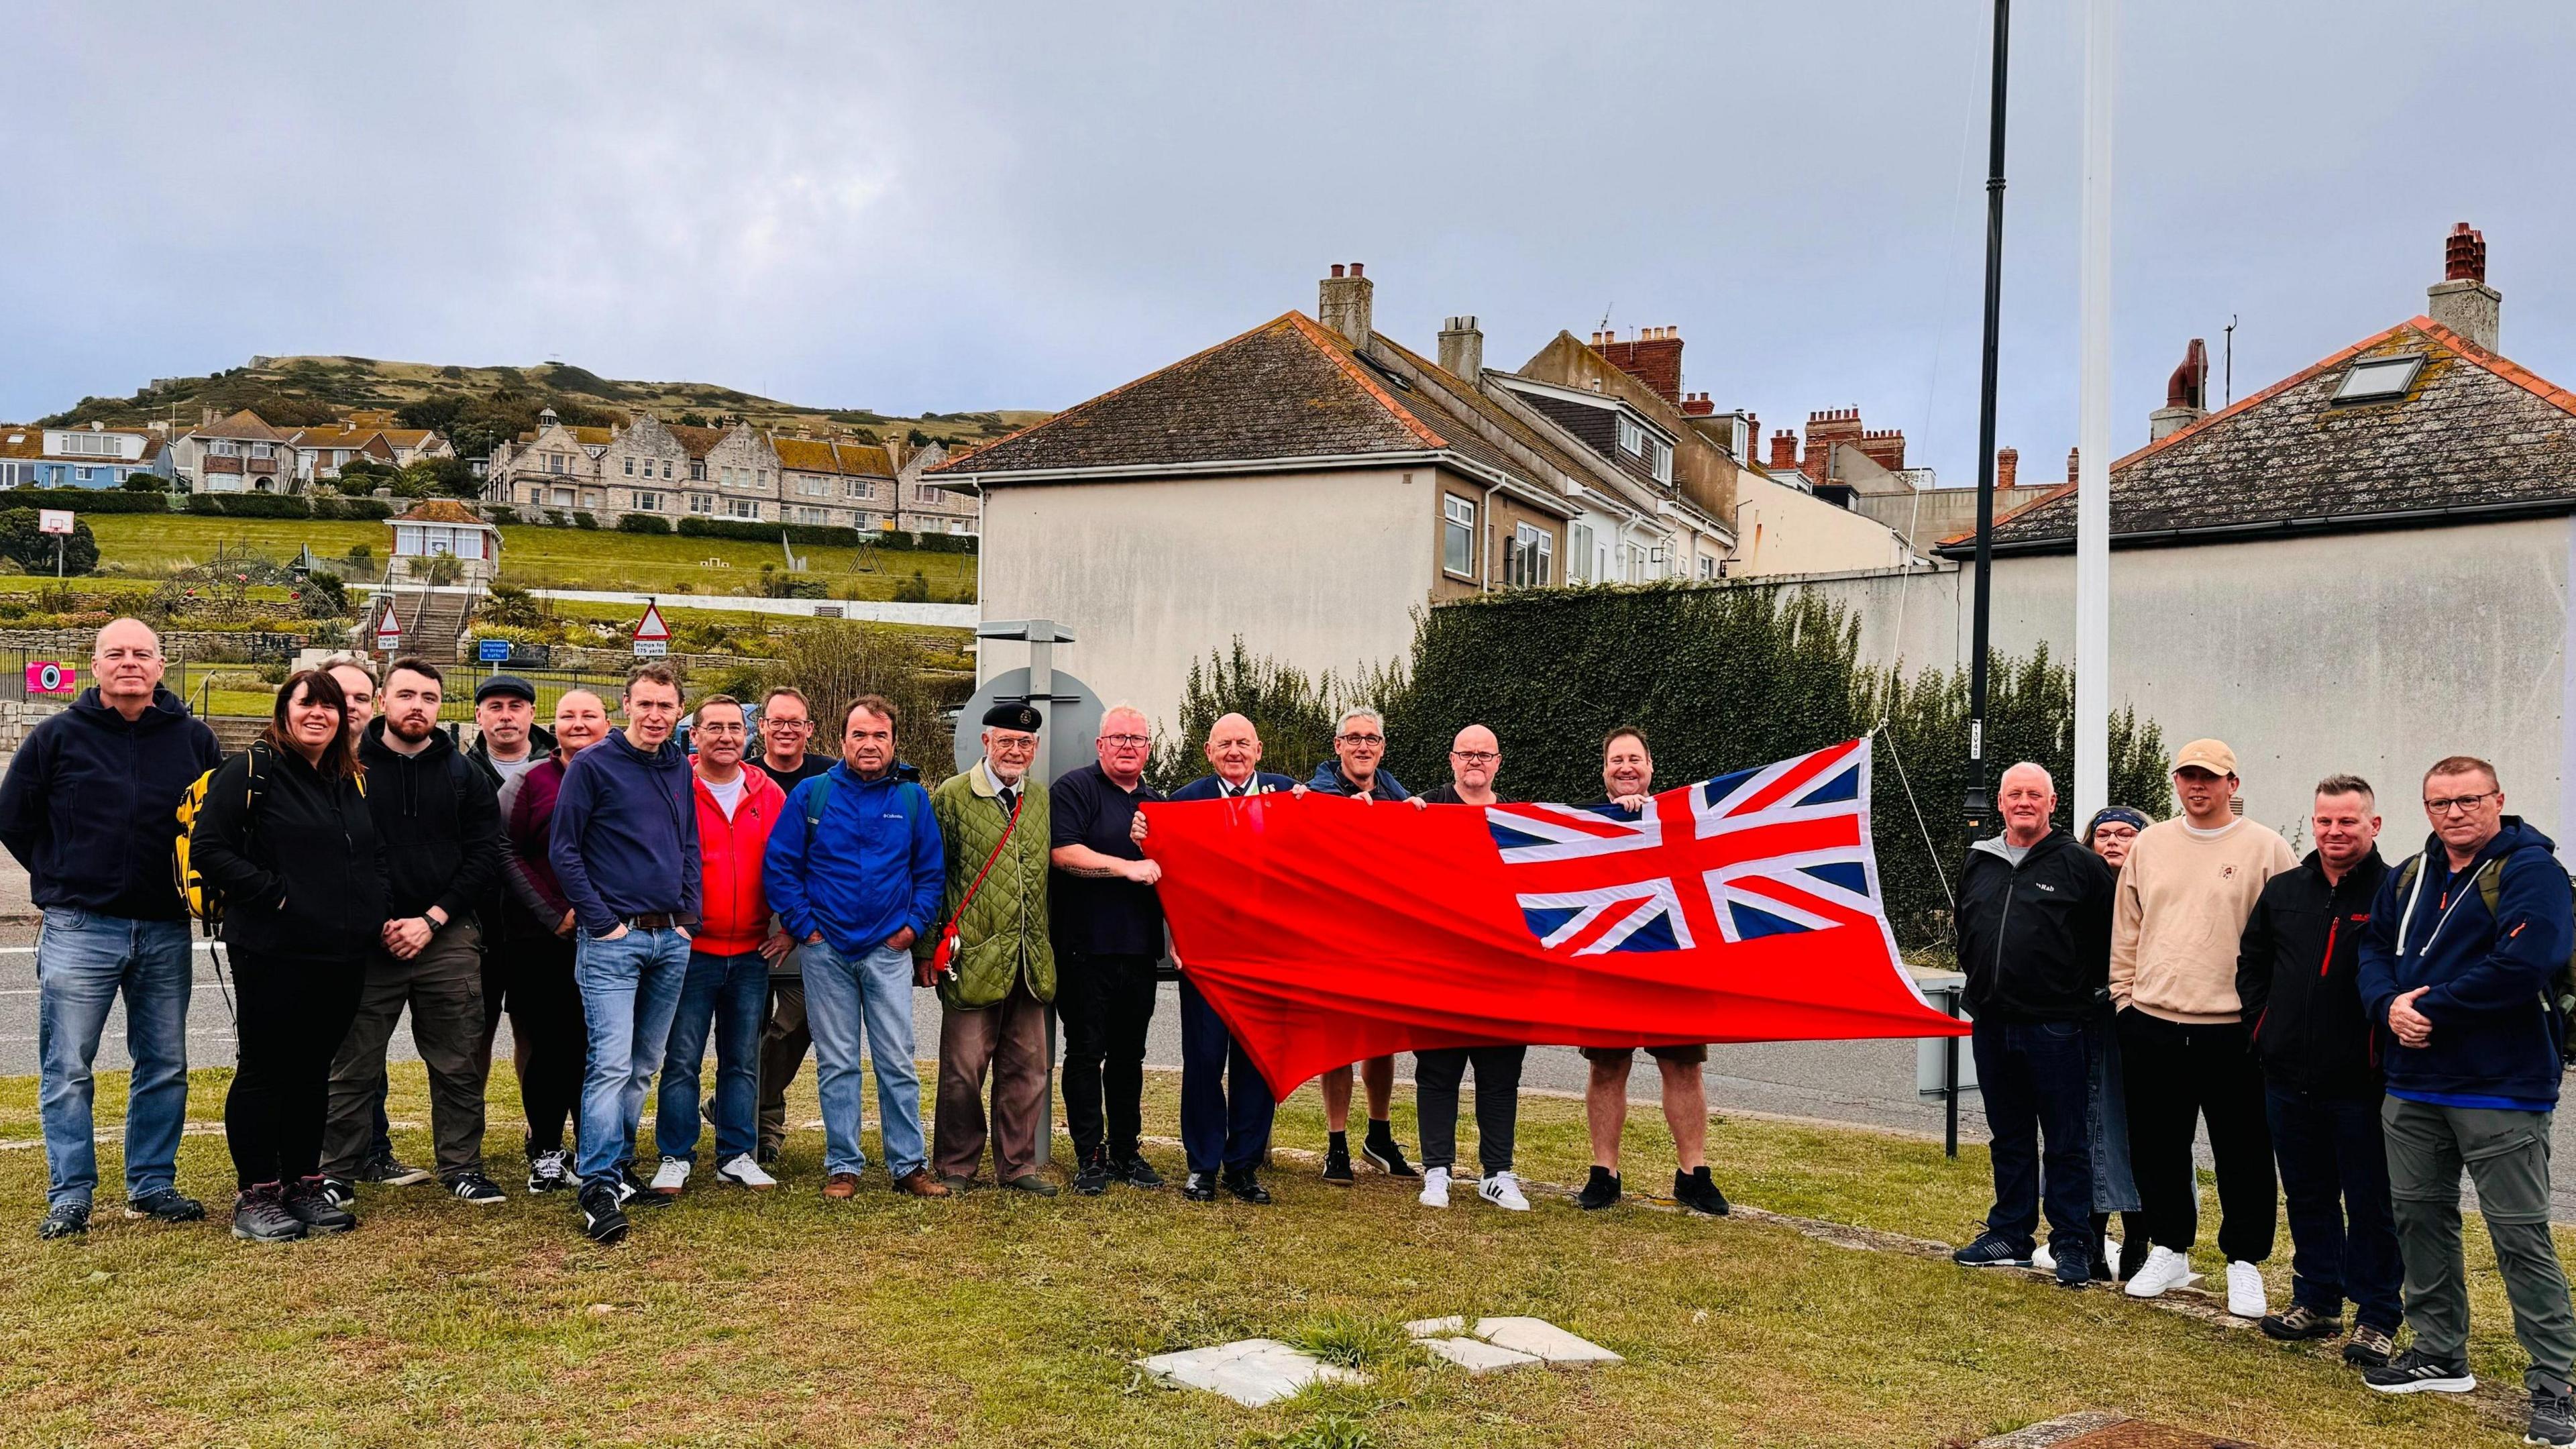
1541	1339
1477	1356
1253	1372
1432	1327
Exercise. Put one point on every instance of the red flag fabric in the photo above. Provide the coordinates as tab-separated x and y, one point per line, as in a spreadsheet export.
1745	908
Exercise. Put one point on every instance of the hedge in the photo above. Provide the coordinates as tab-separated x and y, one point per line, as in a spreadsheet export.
87	500
696	527
288	505
642	523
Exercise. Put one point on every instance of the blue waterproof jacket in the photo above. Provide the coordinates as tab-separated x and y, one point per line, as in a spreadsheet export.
1329	780
870	866
2496	1028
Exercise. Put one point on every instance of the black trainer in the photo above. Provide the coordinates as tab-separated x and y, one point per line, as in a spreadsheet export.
1337	1164
315	1209
1600	1190
1136	1172
635	1192
2553	1419
1382	1153
1245	1184
550	1172
166	1205
1991	1250
340	1190
2300	1322
391	1171
477	1189
260	1215
1695	1191
2417	1372
601	1217
1199	1187
1092	1178
64	1220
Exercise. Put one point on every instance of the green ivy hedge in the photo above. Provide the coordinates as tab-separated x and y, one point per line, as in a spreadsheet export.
696	527
87	500
287	505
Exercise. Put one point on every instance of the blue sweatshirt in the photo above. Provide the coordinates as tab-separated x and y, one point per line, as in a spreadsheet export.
90	805
625	836
1329	780
2496	1030
871	866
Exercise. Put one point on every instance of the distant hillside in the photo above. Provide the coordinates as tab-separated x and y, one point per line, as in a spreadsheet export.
306	390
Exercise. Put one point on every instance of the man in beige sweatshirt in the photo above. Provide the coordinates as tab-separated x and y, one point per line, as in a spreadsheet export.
2186	1056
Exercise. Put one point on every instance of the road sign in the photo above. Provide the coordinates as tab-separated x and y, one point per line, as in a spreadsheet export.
1072	713
44	676
53	520
492	651
652	636
388	629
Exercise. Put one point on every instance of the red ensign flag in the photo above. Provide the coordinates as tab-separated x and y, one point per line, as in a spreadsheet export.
1744	908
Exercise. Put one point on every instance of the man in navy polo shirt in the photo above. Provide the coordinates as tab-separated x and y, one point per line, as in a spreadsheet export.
1108	931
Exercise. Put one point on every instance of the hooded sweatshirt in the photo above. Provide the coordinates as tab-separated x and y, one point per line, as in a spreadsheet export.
2496	1026
440	824
624	840
2183	900
90	805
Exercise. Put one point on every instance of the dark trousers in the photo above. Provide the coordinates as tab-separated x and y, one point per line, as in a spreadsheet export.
2343	1230
2034	1081
531	980
1106	1003
1436	1075
2177	1077
290	1017
442	987
1225	1105
783	1044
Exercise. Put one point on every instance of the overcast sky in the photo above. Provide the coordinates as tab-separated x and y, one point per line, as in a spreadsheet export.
958	207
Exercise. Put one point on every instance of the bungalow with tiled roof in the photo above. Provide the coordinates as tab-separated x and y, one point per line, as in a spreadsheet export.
2366	566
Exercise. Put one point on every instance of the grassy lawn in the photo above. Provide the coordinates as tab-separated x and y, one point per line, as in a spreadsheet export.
741	1319
562	558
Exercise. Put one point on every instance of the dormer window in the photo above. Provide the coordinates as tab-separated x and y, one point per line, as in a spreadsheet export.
2376	379
1652	453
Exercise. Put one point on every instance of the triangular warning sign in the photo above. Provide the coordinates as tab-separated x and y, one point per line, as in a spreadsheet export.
651	627
390	626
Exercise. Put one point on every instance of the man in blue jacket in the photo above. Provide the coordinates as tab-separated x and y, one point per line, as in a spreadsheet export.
624	845
855	869
2464	943
88	808
1356	769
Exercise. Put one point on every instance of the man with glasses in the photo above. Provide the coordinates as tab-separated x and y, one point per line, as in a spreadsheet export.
1225	1105
1108	929
2185	894
1475	760
2462	965
1355	769
786	728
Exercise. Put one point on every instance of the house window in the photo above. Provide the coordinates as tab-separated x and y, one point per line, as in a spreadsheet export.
262	450
630	467
1632	439
1533	557
810	487
929	493
1708	566
746	508
84	474
1659	459
697	471
1458	534
1578	552
226	448
666	468
863	520
648	502
859	488
702	503
2379	377
554	462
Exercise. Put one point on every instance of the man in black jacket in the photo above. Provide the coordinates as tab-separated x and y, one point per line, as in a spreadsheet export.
508	742
2296	973
2034	921
88	810
441	829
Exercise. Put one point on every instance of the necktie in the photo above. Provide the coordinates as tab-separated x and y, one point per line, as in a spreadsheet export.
1010	800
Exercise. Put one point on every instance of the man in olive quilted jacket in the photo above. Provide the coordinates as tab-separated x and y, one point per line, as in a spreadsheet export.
993	1002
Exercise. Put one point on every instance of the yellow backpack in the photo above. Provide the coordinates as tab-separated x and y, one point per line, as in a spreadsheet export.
205	902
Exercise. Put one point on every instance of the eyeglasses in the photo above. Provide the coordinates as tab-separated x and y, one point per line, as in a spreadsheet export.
1125	741
1475	757
1005	745
786	724
2460	803
1363	739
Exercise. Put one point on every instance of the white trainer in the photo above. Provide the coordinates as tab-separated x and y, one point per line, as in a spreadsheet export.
2245	1296
741	1171
2163	1271
1435	1187
2042	1259
670	1177
1504	1191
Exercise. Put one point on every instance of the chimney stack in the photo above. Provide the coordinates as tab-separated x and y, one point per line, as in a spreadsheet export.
2462	301
2007	467
1697	405
1462	349
1825	430
1784	451
1653	357
2186	394
2074	456
1343	304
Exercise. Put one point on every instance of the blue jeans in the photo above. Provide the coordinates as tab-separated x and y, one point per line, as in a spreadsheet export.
731	995
629	989
843	997
2034	1079
2343	1228
82	962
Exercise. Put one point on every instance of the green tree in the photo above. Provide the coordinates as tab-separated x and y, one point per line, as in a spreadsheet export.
23	539
1292	711
146	483
834	663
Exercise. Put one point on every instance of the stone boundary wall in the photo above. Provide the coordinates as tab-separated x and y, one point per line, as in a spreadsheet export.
73	645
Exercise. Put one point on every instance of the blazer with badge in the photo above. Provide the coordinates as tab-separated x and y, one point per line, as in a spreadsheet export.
1210	787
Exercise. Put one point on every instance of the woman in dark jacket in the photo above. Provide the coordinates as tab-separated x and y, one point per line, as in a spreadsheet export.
285	842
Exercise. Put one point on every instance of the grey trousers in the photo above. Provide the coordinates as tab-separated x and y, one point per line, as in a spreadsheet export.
1007	1038
443	986
783	1044
2507	1155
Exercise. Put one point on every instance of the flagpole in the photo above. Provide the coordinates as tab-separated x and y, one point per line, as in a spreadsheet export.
2093	428
1980	797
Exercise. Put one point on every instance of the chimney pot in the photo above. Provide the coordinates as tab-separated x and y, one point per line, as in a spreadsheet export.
2074	460
1358	270
2464	255
1337	269
2007	467
2462	301
1343	304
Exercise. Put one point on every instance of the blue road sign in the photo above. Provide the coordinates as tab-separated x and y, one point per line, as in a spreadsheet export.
492	651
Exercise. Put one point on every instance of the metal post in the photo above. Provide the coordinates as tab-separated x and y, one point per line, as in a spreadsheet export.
1950	1076
1979	801
1041	638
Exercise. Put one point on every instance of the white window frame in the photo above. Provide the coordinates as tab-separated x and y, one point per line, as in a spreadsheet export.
1533	557
1457	532
1578	553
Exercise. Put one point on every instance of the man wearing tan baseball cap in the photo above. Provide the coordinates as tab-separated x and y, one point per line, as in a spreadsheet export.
2184	896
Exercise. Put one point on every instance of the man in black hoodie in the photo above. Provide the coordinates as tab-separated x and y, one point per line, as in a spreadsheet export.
89	809
2034	921
508	742
440	825
2297	973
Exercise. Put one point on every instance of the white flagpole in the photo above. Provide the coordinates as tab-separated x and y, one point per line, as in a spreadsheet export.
2093	430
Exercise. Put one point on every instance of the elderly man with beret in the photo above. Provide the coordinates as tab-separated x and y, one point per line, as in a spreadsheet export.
996	831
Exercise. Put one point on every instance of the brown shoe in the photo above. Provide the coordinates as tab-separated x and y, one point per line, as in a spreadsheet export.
920	1183
841	1186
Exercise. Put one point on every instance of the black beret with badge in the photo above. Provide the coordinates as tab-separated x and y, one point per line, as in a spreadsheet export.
1022	717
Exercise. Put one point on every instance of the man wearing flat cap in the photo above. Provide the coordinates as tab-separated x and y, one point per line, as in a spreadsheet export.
507	742
993	995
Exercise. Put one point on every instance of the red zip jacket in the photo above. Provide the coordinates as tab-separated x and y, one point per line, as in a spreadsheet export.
735	914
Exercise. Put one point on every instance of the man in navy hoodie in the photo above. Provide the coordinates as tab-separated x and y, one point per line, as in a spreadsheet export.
2464	942
624	845
1356	768
89	809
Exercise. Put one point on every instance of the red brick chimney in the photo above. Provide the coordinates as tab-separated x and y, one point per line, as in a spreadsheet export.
1697	405
1885	447
1653	357
2007	467
1784	451
2074	456
1824	430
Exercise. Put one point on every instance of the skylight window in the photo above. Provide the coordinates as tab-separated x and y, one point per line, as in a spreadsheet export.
2377	378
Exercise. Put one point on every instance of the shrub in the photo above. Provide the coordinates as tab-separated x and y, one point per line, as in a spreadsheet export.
90	500
835	663
511	606
324	596
585	520
642	523
23	540
250	505
146	483
914	590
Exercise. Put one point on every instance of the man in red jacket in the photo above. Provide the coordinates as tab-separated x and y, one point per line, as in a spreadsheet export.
727	988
